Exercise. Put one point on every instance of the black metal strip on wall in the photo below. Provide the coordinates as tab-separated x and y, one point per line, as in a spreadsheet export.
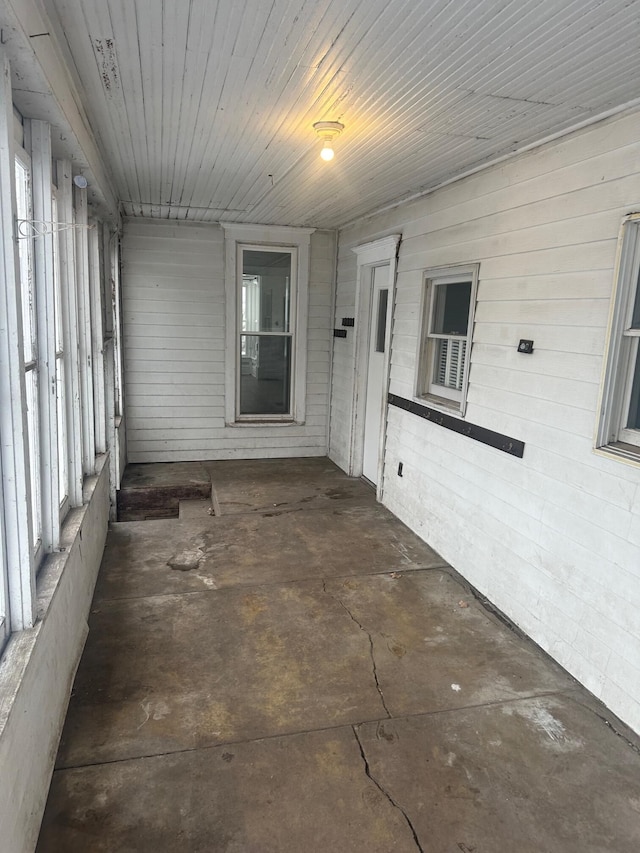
486	436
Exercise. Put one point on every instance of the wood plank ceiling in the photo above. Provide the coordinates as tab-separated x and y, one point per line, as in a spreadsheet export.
204	109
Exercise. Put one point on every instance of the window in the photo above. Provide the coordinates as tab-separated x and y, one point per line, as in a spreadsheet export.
266	281
265	331
449	297
619	422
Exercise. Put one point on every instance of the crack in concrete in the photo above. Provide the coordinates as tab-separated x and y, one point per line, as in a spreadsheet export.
385	793
371	647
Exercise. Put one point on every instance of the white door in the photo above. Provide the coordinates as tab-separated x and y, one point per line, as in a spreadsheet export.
378	343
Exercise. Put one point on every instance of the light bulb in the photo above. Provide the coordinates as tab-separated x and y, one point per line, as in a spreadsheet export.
327	152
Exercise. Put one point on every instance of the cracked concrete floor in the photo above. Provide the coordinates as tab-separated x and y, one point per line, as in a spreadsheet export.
302	673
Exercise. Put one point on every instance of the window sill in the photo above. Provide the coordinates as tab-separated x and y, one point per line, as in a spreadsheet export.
620	451
265	423
442	404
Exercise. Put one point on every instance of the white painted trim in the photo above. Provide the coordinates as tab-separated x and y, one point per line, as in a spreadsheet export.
369	255
70	332
13	418
268	236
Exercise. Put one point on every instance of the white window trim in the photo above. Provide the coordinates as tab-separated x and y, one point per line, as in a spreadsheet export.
449	400
271	237
611	437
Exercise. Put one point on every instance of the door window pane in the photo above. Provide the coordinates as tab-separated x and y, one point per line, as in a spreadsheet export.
265	375
381	325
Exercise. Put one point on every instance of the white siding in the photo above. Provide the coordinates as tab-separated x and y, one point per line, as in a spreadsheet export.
552	539
174	315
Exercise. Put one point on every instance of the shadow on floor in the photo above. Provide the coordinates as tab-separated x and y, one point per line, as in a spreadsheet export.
287	668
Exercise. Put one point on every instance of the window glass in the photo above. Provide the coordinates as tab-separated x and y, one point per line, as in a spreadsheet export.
27	299
381	324
266	339
265	381
445	345
60	383
449	363
633	421
266	291
4	588
25	257
635	314
451	309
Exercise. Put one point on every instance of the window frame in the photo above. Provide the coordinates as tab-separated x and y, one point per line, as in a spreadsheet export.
621	350
268	238
31	364
289	333
426	390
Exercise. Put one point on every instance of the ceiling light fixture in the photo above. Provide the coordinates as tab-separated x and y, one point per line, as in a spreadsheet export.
327	131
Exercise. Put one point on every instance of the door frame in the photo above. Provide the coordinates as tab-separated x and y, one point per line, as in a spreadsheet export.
369	255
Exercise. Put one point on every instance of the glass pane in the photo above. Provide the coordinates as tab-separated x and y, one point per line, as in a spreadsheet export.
635	317
381	325
31	381
62	431
266	291
265	375
449	362
451	308
56	277
633	421
25	257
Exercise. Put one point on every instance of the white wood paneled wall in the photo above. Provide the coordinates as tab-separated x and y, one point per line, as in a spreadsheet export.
552	539
173	314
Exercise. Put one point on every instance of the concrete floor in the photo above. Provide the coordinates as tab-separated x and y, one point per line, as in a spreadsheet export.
301	673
